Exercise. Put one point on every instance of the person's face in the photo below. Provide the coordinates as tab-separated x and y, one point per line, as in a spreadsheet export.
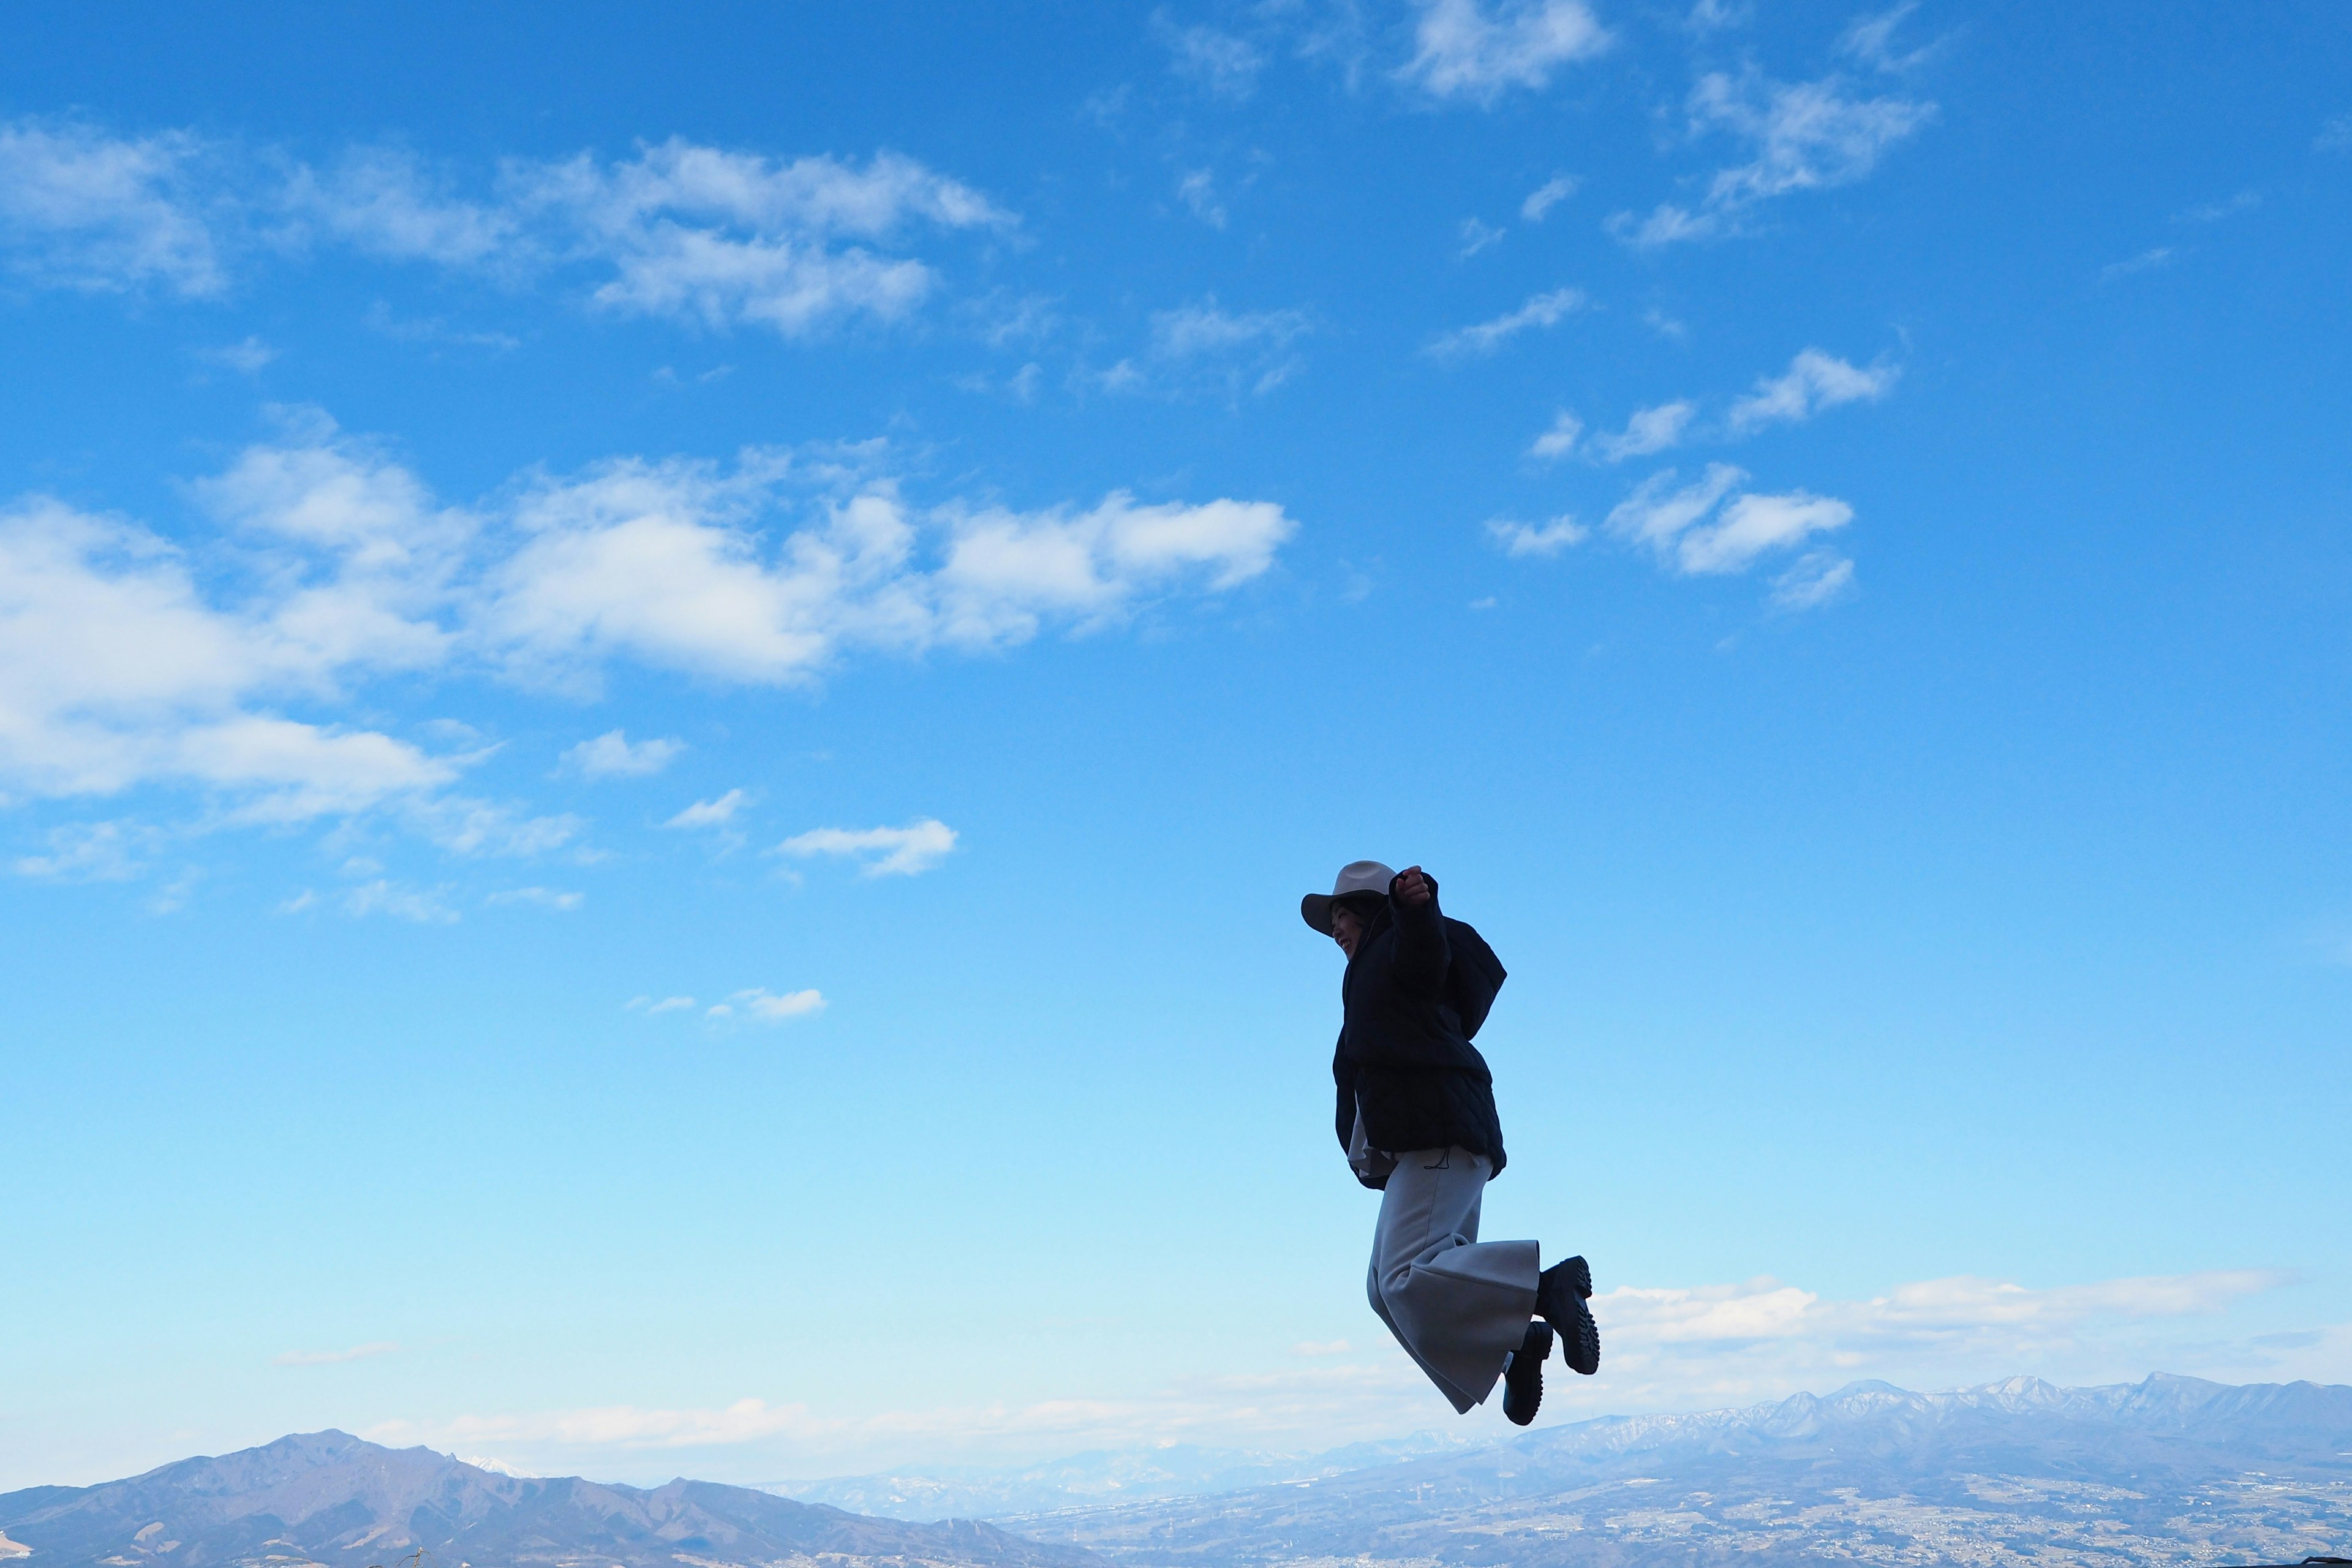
1347	928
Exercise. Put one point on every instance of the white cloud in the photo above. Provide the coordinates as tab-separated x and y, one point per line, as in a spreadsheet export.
1477	236
1221	64
663	564
1547	196
115	669
1648	430
383	202
650	1007
80	209
1198	191
1559	440
613	756
709	813
123	665
546	898
1673	522
1814	381
1806	136
2335	136
1228	349
333	1358
248	356
2147	260
1750	525
93	852
1462	49
691	233
2214	212
1819	577
386	897
1871	39
769	1007
1657	512
705	235
1527	539
1548	310
906	851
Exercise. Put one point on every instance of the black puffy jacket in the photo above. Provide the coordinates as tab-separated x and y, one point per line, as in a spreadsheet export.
1415	992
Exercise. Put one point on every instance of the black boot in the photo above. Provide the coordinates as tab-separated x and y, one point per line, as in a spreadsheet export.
1561	1291
1523	1383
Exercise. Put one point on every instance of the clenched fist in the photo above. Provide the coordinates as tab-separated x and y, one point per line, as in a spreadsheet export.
1409	888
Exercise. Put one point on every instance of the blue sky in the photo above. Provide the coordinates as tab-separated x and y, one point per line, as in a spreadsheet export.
667	681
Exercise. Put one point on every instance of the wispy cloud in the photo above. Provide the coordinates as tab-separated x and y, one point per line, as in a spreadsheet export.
1477	236
1805	136
1546	196
384	897
1204	345
613	756
1198	191
1819	577
1648	430
688	232
2214	212
1813	381
709	813
333	1358
652	1008
81	209
906	851
2145	261
2335	135
1559	439
1530	538
1546	310
248	356
545	898
1711	527
764	1006
1870	39
1223	65
1465	49
93	852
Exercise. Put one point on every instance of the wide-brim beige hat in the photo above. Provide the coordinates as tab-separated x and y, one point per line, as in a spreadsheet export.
1355	877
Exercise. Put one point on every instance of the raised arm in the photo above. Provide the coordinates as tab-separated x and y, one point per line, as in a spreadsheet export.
1421	956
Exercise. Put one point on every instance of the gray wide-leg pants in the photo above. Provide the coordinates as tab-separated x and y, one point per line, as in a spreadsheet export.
1459	1306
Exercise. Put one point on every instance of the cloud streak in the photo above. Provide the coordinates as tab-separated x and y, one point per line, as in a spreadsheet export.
1541	310
713	236
1803	136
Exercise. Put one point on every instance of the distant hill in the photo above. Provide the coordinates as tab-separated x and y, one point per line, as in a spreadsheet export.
2014	1474
326	1500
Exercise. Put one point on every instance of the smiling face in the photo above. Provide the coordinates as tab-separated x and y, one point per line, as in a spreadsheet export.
1347	928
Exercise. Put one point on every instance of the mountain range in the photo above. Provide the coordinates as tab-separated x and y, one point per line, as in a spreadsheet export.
2169	1471
2018	1474
327	1500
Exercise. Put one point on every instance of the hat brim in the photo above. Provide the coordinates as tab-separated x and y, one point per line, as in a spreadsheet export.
1315	909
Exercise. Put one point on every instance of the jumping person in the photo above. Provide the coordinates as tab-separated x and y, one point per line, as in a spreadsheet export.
1417	1118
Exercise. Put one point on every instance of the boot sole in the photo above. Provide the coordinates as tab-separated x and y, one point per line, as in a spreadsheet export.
1531	1353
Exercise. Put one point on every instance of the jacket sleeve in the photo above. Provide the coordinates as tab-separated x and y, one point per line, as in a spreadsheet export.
1343	1073
1419	957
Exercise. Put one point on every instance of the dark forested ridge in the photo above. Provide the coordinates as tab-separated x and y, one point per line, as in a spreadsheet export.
331	1499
